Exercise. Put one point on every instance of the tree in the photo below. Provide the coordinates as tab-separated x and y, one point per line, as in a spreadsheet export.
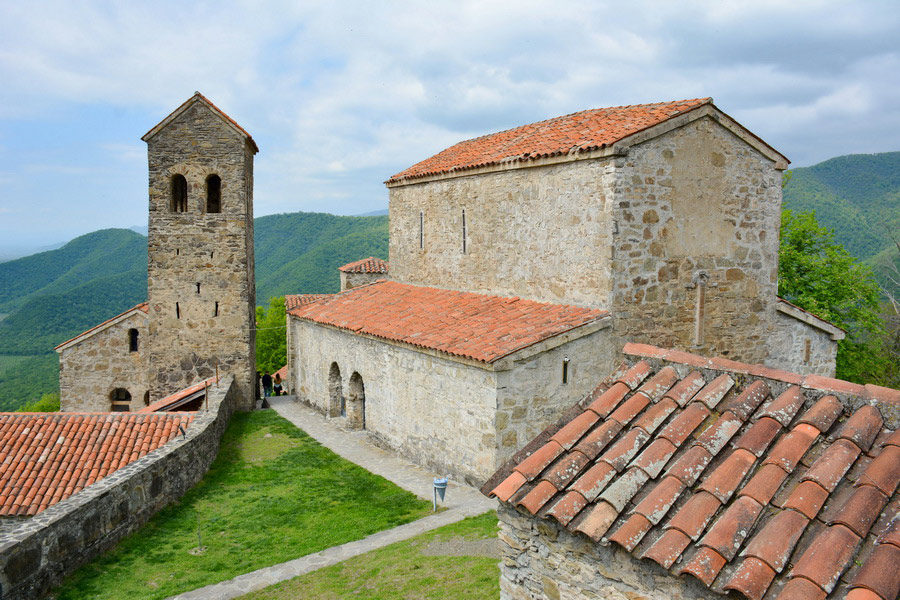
818	274
271	341
47	403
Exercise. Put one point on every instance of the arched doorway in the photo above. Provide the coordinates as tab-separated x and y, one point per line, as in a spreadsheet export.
120	400
336	406
356	406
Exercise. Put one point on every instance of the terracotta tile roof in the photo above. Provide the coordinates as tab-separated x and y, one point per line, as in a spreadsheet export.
292	301
570	134
174	400
47	457
282	372
476	326
747	478
143	306
366	265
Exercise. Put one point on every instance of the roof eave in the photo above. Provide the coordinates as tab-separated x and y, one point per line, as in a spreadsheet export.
198	97
101	327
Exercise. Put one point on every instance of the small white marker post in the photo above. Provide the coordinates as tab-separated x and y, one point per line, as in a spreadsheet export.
440	488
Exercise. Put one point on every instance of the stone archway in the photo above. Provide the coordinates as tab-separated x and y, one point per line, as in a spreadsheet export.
336	404
356	406
120	400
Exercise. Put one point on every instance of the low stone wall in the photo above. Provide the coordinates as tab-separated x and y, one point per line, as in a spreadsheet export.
36	555
543	561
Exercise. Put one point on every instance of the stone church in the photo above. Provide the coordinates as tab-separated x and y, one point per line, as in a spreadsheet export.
522	261
198	320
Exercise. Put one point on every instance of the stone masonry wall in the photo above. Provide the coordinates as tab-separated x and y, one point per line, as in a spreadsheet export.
36	555
531	395
542	561
791	337
91	369
698	199
191	330
540	233
437	412
352	280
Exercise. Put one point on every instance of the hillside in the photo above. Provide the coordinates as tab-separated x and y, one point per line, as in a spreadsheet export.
49	297
858	196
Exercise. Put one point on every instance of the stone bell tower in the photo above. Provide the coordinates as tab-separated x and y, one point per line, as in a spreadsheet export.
201	286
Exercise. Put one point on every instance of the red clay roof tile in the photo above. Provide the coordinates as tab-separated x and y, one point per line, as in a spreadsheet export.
620	453
656	415
599	438
690	465
717	435
684	391
730	530
594	480
830	468
752	578
776	540
569	435
715	390
863	594
630	408
758	437
654	457
538	496
807	498
532	466
623	488
509	486
881	572
370	265
610	399
726	478
823	413
482	327
631	532
790	448
747	401
47	457
684	423
784	407
666	550
884	471
566	135
567	508
696	513
892	534
862	427
658	502
597	520
565	469
861	510
827	557
704	565
659	384
292	301
635	375
801	589
764	483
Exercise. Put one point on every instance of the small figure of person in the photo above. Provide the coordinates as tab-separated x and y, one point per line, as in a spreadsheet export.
277	386
267	384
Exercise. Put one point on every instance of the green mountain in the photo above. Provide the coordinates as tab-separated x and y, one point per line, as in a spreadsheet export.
858	196
49	297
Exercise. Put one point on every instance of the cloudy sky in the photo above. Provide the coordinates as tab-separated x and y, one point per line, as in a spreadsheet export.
341	95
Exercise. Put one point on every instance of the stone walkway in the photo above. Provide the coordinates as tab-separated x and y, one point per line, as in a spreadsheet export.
461	501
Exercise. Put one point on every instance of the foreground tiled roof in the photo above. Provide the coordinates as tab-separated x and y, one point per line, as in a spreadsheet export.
174	400
476	326
366	265
292	301
143	306
749	479
570	134
47	457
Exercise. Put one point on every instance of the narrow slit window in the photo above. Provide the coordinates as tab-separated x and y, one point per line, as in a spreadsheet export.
700	309
216	313
807	353
132	340
177	311
464	232
565	370
213	194
179	194
198	288
177	251
421	230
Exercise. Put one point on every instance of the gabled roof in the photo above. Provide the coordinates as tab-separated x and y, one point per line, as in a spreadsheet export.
481	327
747	478
570	135
366	265
292	301
198	97
180	398
142	307
47	457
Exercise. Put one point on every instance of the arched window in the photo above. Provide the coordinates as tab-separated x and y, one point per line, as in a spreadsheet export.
336	406
213	194
132	340
356	406
120	400
147	398
179	194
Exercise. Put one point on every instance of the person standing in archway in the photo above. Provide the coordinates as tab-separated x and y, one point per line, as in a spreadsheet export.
267	384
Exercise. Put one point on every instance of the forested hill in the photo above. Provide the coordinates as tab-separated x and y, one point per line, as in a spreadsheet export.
50	297
858	196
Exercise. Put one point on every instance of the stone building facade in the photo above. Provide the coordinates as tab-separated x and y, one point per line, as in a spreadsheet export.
361	272
671	224
201	290
199	318
106	367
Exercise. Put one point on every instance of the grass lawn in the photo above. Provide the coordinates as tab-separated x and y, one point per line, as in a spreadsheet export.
272	494
455	562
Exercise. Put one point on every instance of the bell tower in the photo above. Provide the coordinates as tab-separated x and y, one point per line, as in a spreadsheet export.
201	286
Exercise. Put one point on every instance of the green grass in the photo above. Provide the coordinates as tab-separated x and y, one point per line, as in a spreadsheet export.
439	564
273	494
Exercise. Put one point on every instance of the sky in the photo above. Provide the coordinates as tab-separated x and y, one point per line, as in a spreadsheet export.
339	96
